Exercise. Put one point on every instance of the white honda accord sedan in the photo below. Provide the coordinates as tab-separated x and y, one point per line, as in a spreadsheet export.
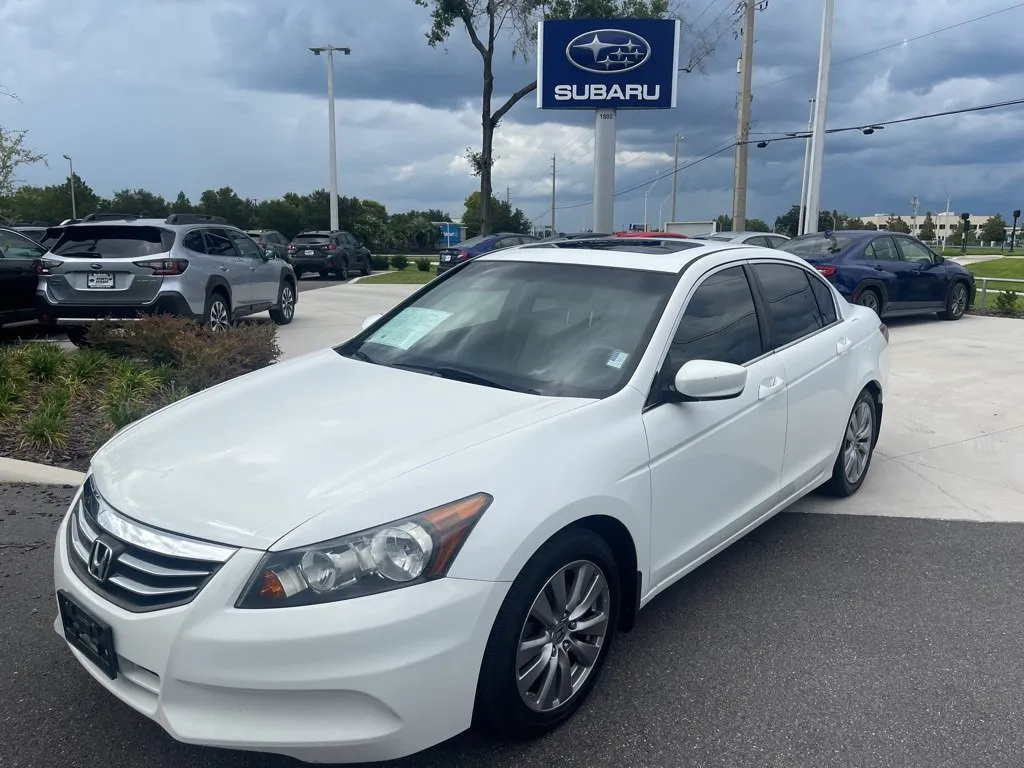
496	476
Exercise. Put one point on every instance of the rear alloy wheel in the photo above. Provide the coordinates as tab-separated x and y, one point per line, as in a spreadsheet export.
956	302
868	298
367	267
342	270
858	446
218	314
285	311
550	638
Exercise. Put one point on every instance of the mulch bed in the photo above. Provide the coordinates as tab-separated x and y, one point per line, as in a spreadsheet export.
989	312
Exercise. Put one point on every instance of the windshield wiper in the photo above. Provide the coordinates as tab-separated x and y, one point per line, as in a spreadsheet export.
358	354
458	374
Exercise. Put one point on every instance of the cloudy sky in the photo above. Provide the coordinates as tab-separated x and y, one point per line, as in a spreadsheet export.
194	94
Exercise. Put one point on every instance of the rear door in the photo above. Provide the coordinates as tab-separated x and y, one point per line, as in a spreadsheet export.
813	344
230	265
108	265
17	276
262	272
883	256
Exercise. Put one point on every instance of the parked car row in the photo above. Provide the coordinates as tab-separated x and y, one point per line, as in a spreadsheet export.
121	266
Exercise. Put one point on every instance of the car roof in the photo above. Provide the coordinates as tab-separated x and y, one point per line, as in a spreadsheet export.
629	256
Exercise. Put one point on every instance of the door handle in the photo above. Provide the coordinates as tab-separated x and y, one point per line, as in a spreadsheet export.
769	387
843	345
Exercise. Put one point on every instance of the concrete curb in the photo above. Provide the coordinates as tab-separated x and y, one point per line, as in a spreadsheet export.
17	471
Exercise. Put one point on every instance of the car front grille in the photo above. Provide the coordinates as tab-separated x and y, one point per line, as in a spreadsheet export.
134	566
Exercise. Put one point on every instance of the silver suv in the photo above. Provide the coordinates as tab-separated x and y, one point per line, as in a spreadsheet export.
191	265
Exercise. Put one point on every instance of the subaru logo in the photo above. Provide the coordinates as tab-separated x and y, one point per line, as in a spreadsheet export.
96	266
100	559
608	51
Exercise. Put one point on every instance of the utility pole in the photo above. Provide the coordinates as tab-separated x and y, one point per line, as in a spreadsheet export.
508	196
332	139
913	215
553	230
820	112
807	171
675	175
745	68
71	165
1013	234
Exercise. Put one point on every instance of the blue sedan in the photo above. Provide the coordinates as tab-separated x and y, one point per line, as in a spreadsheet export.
892	273
478	246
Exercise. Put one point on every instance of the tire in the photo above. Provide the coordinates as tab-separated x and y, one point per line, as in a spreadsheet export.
956	301
77	335
367	267
858	436
500	708
869	298
285	311
217	315
342	271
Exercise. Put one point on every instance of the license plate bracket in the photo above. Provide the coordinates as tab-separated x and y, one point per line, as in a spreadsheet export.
92	637
100	280
446	257
308	252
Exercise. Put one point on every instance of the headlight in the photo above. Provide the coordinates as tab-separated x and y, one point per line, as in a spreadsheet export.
408	551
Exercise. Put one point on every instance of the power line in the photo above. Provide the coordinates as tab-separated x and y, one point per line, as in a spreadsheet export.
872	127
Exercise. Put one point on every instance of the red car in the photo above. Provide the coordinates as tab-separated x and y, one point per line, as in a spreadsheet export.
649	234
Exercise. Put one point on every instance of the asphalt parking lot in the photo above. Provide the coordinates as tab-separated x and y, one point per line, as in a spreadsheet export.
885	635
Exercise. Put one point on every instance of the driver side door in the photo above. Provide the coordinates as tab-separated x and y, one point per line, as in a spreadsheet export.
926	283
715	465
17	276
263	274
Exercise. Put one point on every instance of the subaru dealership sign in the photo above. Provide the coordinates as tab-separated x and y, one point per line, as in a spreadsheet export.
608	64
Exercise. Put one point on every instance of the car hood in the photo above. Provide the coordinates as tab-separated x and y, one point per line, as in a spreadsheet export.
246	462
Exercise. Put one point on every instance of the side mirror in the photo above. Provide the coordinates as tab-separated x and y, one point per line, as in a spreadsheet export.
939	259
370	321
710	380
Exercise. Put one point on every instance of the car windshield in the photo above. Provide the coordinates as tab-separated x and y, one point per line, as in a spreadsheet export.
818	245
112	241
560	330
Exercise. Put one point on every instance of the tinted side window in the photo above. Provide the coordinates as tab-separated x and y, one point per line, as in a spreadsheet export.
14	246
218	243
914	252
720	323
756	240
776	241
826	302
279	239
194	241
881	249
245	245
791	303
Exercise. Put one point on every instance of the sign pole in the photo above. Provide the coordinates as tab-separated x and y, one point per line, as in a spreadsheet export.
604	170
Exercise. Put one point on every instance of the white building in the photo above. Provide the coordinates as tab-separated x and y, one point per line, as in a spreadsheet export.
946	224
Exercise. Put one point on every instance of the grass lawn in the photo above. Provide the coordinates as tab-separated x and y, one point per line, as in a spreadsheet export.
411	275
1012	269
972	250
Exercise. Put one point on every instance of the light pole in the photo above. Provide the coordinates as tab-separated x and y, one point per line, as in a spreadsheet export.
807	170
913	217
71	165
646	195
675	174
330	49
1013	234
820	112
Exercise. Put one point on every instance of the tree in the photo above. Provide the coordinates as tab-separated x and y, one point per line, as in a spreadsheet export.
483	22
225	202
723	223
927	231
140	201
181	204
52	203
897	224
13	156
856	223
505	218
757	225
958	234
789	222
994	230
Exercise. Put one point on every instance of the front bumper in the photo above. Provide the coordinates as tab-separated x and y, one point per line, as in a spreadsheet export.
166	303
367	679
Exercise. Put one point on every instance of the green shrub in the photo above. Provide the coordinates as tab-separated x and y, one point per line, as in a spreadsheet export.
206	358
1007	302
151	339
423	264
380	262
10	400
87	365
42	361
46	429
399	262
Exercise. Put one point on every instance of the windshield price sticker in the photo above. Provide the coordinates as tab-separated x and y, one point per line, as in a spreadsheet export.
408	327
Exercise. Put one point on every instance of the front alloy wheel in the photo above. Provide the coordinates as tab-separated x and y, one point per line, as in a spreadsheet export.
219	318
562	636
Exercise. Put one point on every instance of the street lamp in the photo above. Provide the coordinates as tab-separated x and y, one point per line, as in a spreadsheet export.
71	165
646	195
966	219
330	49
1013	234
